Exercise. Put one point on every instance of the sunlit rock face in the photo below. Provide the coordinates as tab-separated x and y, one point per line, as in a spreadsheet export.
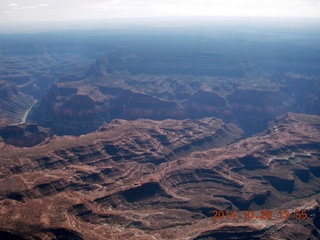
164	179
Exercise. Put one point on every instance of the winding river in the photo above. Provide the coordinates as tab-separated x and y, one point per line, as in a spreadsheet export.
25	115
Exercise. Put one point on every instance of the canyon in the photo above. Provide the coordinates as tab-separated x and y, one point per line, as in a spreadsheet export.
161	133
147	179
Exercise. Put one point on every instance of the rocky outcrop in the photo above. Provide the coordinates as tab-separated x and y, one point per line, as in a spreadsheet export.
164	179
69	110
131	106
75	109
24	135
207	103
306	91
254	108
79	107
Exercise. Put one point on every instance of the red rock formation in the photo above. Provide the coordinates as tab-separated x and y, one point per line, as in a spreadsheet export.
148	179
71	110
24	135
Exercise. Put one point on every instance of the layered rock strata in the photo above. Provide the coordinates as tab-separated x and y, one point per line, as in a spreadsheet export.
148	179
24	135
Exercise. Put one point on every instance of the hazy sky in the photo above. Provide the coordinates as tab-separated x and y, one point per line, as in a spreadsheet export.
52	10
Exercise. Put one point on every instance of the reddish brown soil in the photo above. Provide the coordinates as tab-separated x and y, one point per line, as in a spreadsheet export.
149	179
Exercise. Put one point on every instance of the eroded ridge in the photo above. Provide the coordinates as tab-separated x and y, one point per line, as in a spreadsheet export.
163	180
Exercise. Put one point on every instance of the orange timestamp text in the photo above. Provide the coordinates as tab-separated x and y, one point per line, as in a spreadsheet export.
262	214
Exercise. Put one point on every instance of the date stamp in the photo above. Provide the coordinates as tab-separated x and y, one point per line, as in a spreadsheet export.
262	214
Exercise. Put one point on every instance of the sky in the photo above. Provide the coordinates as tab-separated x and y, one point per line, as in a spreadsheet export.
37	11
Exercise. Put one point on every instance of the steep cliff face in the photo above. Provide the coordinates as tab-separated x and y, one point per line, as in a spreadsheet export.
207	103
254	108
70	110
127	104
163	179
79	108
306	91
13	103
